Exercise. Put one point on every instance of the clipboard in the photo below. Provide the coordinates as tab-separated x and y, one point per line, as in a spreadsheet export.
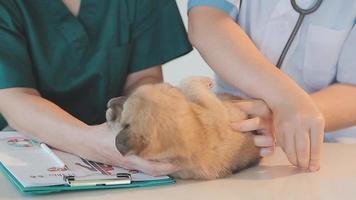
63	188
118	179
74	182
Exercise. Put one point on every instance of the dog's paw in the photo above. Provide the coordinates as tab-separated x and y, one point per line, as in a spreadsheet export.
197	81
114	109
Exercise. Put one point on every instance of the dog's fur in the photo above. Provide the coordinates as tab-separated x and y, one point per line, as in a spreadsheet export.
189	126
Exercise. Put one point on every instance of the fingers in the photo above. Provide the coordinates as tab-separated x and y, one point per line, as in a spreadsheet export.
266	143
279	137
250	125
303	148
262	119
264	152
254	107
263	141
316	140
151	167
289	148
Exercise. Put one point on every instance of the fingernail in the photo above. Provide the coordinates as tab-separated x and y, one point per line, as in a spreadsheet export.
265	152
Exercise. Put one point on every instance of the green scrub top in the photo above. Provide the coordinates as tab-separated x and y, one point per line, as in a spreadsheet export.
81	62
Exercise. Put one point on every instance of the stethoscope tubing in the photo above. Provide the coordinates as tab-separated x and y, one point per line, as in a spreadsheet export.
308	11
290	40
302	13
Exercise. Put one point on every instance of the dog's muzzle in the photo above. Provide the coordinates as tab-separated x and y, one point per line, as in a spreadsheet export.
122	140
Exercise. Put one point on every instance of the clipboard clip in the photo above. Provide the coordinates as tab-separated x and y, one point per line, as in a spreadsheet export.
119	179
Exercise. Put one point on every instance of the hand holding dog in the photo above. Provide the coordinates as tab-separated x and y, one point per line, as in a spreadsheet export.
105	151
302	144
261	120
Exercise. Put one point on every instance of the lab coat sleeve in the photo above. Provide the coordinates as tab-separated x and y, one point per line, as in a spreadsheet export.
15	62
158	34
230	7
346	72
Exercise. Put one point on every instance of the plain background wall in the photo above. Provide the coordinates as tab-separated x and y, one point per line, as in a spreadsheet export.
189	65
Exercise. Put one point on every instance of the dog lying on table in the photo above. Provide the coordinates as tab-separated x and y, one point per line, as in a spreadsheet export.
188	125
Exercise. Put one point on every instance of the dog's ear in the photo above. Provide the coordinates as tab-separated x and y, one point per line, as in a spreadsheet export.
115	107
118	101
122	141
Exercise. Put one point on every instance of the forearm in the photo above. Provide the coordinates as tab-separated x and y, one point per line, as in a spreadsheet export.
234	57
27	112
337	103
143	81
148	76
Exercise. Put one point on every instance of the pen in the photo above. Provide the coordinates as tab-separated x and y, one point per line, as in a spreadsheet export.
54	156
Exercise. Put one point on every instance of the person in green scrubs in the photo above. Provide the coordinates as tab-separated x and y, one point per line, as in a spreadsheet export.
62	60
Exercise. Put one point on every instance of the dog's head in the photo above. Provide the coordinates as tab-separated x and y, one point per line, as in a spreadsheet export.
150	120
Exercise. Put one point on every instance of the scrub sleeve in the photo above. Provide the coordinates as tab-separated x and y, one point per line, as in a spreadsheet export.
15	63
228	6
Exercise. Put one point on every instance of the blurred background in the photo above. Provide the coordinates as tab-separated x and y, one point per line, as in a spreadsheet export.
188	65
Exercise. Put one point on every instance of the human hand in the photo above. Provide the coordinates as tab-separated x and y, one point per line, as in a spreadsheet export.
299	128
302	146
261	121
100	147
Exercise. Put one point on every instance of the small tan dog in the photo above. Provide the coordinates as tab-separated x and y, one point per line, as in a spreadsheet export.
188	126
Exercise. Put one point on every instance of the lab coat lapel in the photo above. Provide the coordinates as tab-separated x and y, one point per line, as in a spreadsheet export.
283	7
277	31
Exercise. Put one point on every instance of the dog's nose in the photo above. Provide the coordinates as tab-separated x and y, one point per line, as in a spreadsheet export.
122	141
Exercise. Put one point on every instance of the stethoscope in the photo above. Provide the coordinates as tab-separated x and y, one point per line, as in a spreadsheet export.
302	13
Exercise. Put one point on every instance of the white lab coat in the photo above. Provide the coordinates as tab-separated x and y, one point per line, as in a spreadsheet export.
323	52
